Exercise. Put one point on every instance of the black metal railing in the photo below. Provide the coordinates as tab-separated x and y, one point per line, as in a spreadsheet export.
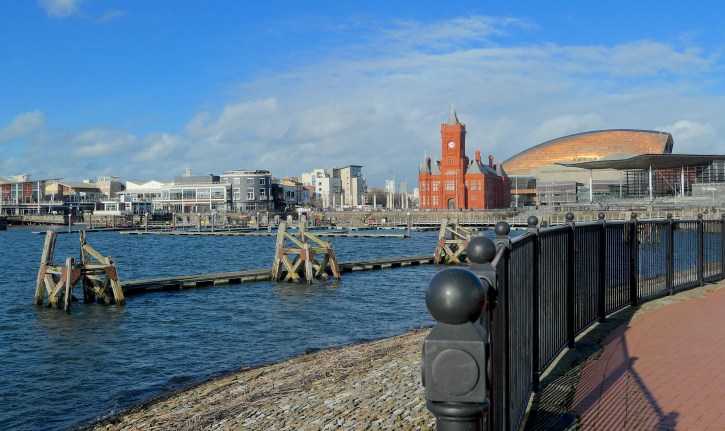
554	283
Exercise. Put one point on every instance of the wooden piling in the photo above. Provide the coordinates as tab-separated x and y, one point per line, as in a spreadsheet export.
451	247
58	281
46	259
304	256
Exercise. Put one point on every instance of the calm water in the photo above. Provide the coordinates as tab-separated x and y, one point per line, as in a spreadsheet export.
60	371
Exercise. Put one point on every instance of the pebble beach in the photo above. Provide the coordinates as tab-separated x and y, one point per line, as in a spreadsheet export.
369	386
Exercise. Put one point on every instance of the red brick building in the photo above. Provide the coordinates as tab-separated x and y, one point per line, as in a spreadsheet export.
454	182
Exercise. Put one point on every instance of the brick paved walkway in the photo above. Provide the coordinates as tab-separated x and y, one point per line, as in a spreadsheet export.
663	371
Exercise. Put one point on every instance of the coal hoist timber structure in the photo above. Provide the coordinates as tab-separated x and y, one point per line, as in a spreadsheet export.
304	256
452	242
97	273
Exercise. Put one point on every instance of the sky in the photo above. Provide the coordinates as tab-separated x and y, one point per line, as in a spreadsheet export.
144	89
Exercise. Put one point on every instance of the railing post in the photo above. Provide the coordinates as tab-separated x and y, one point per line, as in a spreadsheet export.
633	260
481	251
670	258
602	279
722	246
700	251
454	353
503	343
570	286
533	223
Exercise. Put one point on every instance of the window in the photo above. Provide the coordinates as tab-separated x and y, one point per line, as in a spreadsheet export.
262	181
237	195
217	193
250	181
250	194
450	185
175	194
203	193
435	200
189	194
237	180
435	185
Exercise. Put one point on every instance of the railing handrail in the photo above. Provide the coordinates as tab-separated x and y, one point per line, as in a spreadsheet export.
590	270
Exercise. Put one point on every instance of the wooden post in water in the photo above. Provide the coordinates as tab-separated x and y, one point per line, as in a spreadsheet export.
304	254
58	281
450	250
46	259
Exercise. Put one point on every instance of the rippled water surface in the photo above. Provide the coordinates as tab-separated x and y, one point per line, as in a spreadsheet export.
60	371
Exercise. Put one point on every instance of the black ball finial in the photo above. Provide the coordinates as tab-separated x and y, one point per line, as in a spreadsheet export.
569	216
502	228
669	215
633	215
455	296
532	221
699	216
481	250
601	216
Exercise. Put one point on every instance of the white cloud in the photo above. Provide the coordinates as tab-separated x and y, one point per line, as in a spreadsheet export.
99	143
690	136
157	148
22	125
60	8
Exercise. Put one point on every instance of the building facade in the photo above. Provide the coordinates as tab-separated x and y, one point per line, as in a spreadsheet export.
251	190
454	182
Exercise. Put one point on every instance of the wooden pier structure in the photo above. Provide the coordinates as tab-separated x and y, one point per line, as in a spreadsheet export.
452	242
97	273
304	256
135	287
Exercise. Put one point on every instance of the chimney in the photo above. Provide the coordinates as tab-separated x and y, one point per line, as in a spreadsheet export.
478	157
490	160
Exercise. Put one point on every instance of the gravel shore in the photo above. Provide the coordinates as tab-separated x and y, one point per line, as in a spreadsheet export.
370	386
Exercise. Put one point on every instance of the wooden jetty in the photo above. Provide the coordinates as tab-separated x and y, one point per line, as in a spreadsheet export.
135	287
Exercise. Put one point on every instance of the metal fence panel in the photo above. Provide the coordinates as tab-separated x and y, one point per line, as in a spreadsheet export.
712	248
552	293
652	269
618	266
586	275
684	254
520	294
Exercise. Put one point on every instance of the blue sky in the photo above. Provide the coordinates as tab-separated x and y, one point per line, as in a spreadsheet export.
144	89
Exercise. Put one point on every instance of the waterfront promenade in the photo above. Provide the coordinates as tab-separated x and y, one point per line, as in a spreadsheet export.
660	368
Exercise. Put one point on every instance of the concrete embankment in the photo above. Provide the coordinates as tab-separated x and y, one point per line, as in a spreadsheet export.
366	386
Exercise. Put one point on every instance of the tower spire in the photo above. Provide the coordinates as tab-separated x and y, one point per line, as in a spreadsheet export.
453	118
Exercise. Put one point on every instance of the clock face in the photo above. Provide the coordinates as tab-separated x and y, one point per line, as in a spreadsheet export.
451	144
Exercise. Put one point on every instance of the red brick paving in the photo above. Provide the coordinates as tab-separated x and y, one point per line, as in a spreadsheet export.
665	370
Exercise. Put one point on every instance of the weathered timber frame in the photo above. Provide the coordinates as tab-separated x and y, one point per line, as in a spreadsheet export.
303	254
450	249
57	281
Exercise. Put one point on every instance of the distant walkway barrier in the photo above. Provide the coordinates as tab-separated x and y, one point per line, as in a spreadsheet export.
554	283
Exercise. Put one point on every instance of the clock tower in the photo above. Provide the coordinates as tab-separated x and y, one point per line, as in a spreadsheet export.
453	144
